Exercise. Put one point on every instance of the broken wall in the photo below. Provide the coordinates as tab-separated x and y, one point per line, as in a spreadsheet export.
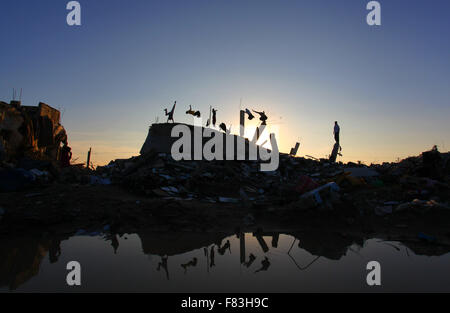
30	131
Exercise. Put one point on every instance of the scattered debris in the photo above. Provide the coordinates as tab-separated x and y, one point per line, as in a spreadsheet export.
415	185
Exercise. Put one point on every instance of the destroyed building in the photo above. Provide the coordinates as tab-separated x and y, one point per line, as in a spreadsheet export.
34	132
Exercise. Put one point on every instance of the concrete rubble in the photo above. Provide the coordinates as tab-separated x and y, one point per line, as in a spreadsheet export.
298	184
30	131
30	145
152	188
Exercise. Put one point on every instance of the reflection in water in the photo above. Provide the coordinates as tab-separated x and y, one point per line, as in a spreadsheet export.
192	263
20	258
114	241
163	264
320	261
224	248
264	265
251	258
212	257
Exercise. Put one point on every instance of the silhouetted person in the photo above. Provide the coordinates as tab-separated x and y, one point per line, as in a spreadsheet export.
251	259
226	246
192	112
211	256
223	127
214	118
163	264
250	115
265	265
336	131
66	155
262	117
193	262
170	114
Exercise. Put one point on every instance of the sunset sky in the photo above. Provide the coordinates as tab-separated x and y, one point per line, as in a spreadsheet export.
306	63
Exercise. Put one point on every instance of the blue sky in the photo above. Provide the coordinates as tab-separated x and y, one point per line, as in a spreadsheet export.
306	63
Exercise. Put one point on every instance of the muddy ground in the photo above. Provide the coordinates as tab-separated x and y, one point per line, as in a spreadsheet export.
62	209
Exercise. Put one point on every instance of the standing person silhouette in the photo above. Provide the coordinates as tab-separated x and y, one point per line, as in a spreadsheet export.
336	131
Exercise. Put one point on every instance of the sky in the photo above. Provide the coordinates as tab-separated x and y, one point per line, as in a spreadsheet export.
306	63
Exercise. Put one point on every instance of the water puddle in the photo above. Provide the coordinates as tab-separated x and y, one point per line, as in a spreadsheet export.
214	262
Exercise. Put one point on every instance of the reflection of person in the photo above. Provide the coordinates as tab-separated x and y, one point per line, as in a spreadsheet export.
163	264
211	256
224	248
251	259
192	263
114	241
264	265
336	131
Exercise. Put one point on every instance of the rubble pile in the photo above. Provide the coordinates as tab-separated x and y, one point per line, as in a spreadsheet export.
30	131
419	183
30	144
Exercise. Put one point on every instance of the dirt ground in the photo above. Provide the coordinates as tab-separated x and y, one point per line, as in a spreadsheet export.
65	208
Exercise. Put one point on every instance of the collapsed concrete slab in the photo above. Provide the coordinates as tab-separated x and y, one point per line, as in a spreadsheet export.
160	140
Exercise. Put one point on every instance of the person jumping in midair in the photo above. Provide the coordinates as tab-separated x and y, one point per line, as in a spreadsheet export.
170	114
250	115
262	117
192	112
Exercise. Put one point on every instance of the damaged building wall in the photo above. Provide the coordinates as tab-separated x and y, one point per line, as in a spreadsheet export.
30	131
11	121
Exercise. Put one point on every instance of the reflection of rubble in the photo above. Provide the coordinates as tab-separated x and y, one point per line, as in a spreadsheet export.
21	258
326	244
172	243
